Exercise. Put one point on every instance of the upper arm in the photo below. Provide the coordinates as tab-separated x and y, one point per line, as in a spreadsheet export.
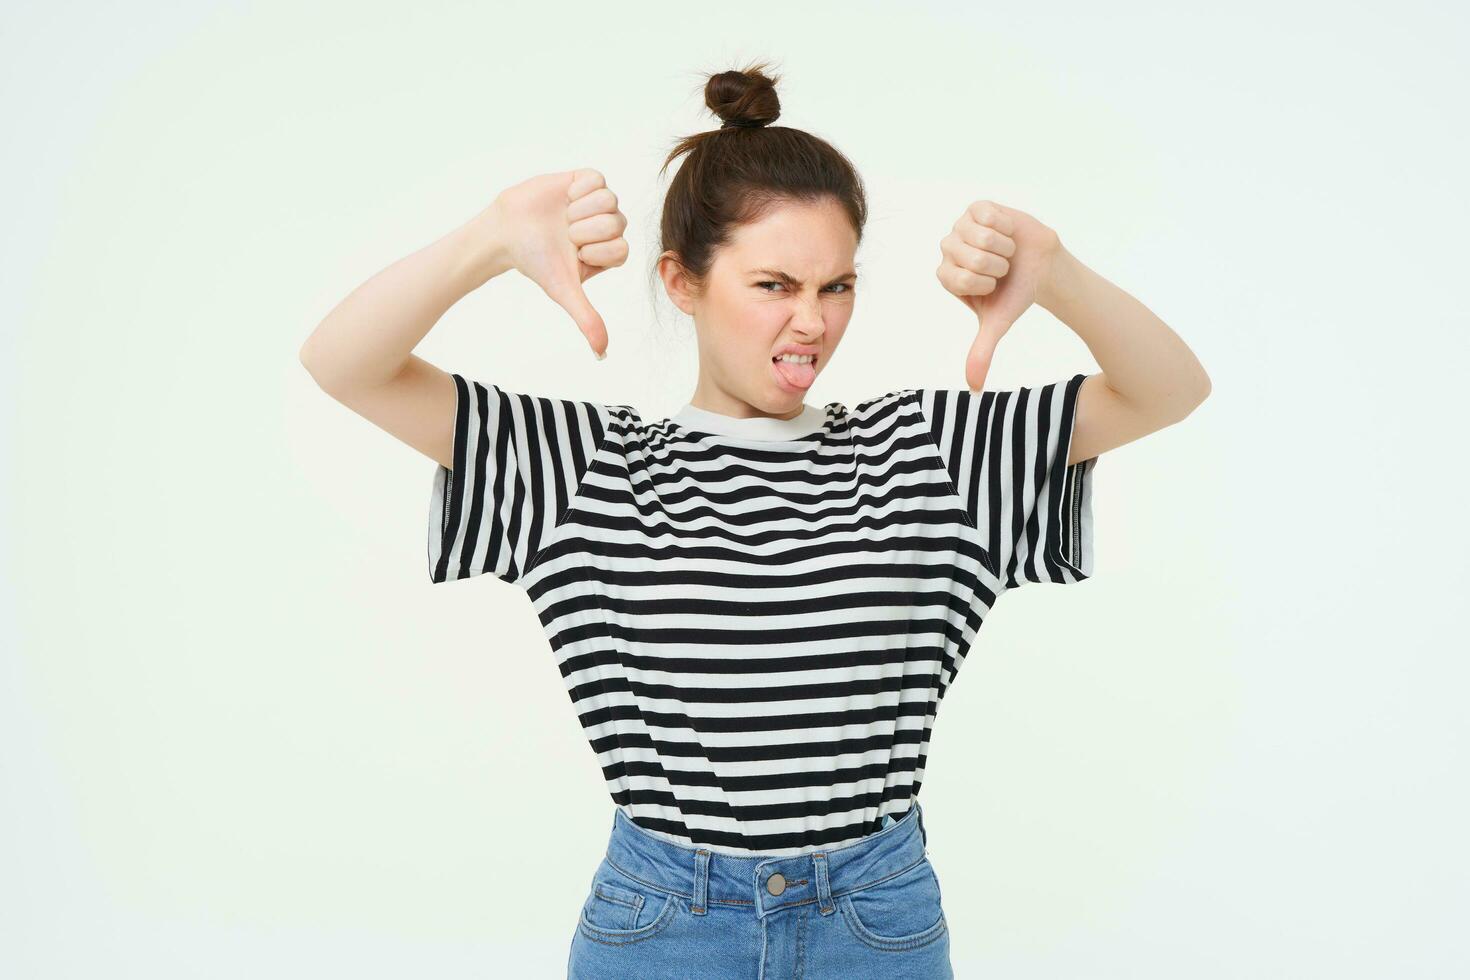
1105	420
508	465
415	405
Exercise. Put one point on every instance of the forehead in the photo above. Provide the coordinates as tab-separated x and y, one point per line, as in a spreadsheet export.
796	236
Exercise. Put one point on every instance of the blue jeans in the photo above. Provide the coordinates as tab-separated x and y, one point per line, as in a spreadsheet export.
658	910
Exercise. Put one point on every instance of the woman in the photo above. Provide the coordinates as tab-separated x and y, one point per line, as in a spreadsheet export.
758	603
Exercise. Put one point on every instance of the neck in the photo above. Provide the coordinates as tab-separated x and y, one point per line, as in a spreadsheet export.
805	421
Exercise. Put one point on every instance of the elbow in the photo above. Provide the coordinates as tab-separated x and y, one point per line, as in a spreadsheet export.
310	359
1204	388
1199	393
1181	402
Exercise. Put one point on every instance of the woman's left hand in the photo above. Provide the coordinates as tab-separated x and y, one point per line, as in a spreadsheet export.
995	260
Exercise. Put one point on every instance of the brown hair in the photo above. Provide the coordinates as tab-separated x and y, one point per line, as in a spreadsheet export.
737	173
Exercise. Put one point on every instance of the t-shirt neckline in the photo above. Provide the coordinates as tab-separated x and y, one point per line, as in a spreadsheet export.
809	421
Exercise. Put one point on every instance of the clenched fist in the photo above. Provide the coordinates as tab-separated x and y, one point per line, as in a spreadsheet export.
994	260
563	229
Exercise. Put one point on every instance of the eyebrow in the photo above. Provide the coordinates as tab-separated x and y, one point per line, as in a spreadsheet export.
793	281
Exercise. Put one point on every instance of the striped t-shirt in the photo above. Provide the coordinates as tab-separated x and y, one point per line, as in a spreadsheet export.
756	619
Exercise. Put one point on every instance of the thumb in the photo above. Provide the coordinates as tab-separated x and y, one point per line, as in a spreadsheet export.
571	297
982	351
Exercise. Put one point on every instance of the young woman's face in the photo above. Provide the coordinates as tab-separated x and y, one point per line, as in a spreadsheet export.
785	282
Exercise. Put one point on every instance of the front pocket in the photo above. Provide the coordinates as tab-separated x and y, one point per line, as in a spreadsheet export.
616	913
612	906
902	912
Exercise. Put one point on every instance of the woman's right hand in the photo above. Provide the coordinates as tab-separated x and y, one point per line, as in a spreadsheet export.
562	229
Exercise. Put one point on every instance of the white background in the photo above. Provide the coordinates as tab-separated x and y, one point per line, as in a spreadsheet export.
241	733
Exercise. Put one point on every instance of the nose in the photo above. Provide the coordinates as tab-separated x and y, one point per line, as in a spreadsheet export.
808	323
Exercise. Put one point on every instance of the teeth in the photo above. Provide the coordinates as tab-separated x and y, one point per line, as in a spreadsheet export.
796	358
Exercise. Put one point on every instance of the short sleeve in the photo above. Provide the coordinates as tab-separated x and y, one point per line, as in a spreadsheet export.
1006	453
518	463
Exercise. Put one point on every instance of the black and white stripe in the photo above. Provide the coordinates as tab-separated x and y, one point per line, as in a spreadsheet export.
756	633
517	462
1006	452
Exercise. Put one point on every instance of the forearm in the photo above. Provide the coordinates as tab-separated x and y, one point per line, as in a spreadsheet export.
1144	361
366	339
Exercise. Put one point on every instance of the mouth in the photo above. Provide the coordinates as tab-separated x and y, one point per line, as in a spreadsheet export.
794	376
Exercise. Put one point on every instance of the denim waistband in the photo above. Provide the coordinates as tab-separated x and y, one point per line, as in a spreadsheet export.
766	884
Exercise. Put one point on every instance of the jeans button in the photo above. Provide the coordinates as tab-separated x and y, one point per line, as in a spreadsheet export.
776	884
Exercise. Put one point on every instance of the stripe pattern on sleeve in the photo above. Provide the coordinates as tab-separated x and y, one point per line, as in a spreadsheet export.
518	461
1006	454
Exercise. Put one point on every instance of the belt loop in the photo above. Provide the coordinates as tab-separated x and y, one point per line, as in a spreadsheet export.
701	882
824	884
923	834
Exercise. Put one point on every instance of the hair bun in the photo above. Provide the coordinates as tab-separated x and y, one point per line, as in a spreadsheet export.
743	98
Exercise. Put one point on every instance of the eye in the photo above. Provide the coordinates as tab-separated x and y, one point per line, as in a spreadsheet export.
846	287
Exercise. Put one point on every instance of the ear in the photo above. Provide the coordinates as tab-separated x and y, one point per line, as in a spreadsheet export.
676	283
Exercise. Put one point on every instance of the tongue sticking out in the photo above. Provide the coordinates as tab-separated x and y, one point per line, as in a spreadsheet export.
800	375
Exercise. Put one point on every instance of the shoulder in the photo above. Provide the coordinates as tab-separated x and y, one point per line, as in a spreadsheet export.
885	403
628	430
